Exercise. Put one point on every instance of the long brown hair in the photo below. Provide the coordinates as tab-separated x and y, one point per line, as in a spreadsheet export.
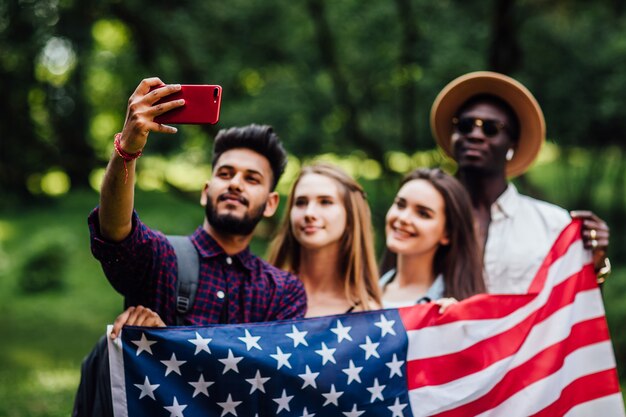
460	261
358	267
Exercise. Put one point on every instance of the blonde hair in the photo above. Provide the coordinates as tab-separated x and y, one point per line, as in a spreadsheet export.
359	269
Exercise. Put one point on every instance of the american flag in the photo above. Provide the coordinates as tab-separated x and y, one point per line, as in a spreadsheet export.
546	353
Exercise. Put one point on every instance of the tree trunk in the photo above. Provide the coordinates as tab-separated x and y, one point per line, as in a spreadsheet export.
67	105
20	149
504	52
327	50
407	59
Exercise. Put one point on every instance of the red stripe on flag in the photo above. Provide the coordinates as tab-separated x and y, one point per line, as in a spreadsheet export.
478	307
584	389
569	235
491	306
536	368
445	368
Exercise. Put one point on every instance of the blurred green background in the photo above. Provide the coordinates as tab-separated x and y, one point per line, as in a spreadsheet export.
348	81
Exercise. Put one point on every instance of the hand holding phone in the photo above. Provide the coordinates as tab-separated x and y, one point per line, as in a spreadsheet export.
202	105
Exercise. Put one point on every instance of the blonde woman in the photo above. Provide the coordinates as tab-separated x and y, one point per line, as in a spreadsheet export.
326	239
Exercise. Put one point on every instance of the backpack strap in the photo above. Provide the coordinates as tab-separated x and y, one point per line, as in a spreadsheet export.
188	262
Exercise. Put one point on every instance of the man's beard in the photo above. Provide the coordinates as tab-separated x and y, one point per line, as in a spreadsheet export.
228	224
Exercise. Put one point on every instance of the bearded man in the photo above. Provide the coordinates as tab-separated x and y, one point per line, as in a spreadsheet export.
234	285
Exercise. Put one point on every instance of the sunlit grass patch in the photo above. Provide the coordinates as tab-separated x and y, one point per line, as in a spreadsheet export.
41	392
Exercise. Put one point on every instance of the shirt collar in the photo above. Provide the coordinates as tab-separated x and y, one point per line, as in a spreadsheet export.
208	247
506	205
437	289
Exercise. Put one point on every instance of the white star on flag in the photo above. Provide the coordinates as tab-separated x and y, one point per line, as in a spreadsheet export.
377	391
147	390
397	408
386	326
201	343
228	406
257	382
342	332
230	362
176	410
173	365
281	358
283	402
353	413
309	378
353	372
250	341
201	386
332	396
395	366
305	413
297	336
326	354
370	348
143	344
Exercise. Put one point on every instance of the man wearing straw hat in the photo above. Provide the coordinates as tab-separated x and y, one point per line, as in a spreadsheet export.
493	127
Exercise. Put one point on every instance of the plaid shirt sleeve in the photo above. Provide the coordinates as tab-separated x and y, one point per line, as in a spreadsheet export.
294	300
143	269
130	265
289	301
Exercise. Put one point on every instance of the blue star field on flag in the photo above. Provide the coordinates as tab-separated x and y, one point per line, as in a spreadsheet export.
345	366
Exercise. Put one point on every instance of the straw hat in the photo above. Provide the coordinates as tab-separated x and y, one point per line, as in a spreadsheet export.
532	124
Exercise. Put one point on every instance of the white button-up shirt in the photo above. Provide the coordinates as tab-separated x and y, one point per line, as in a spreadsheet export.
521	233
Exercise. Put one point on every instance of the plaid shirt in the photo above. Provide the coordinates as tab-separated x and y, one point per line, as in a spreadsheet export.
143	267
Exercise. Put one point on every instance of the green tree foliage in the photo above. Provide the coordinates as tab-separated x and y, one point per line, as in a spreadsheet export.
329	76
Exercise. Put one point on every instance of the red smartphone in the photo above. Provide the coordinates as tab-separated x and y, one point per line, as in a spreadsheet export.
202	105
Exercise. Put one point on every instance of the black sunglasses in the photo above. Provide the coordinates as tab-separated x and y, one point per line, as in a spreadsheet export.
490	127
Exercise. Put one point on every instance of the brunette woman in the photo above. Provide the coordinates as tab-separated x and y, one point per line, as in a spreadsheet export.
432	252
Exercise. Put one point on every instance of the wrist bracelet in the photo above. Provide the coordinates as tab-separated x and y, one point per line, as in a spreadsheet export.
127	157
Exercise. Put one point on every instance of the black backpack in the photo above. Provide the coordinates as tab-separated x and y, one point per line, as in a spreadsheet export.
93	397
188	274
188	264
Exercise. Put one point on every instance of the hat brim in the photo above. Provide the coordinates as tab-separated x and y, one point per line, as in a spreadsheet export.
531	120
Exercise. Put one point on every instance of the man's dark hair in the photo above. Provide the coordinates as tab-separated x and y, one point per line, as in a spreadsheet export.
258	138
497	101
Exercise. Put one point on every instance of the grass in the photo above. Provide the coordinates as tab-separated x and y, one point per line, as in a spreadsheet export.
46	335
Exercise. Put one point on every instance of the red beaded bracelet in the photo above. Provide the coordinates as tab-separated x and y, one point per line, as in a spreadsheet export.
124	155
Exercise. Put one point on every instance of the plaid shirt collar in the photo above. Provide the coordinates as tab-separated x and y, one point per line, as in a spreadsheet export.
208	247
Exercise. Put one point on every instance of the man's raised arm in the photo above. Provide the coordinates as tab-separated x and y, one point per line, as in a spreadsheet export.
118	189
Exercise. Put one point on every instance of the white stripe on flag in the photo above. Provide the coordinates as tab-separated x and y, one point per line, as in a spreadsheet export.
535	397
586	306
605	406
454	337
435	399
116	366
